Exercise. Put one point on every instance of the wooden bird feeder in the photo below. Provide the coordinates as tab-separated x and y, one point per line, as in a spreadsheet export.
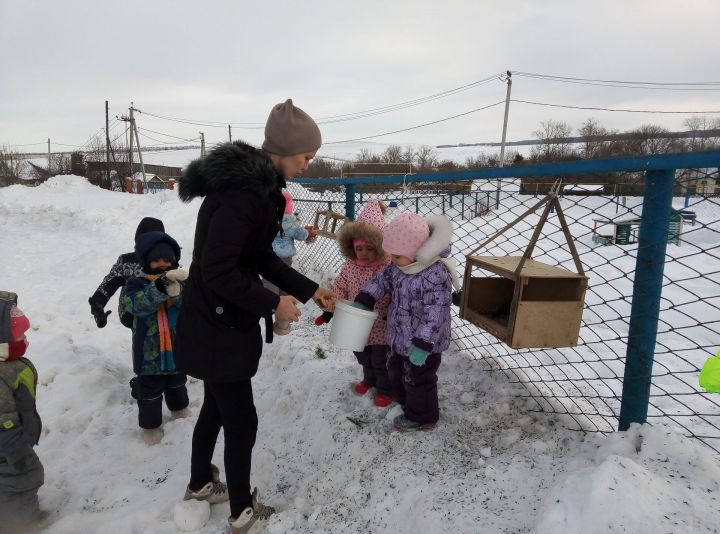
526	303
331	222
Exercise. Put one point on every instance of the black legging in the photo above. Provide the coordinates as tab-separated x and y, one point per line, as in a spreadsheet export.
230	406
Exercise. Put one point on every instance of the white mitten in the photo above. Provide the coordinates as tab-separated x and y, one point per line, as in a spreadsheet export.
174	279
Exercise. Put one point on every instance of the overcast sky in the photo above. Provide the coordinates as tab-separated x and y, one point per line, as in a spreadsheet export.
231	61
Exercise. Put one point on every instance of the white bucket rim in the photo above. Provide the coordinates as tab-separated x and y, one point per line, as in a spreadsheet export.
347	306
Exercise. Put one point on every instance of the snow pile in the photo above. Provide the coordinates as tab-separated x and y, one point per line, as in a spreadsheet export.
325	458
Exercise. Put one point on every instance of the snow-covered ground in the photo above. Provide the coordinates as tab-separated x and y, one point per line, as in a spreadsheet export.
491	466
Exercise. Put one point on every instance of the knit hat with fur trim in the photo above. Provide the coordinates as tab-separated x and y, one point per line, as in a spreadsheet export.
289	130
405	235
369	227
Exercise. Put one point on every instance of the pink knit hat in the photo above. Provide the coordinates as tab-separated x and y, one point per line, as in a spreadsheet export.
405	235
373	215
289	208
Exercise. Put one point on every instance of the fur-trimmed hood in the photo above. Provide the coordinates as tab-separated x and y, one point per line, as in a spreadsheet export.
369	226
359	230
440	240
230	166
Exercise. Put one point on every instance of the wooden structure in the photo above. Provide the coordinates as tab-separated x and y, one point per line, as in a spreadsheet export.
625	231
330	222
526	303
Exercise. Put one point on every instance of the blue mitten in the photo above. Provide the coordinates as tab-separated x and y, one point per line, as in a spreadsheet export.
360	306
418	356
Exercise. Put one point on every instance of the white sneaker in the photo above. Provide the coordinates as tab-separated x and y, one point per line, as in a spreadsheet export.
253	518
213	492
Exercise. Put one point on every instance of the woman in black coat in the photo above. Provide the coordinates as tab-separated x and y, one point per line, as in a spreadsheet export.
218	336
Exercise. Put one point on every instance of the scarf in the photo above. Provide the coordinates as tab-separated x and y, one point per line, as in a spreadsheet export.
166	318
418	267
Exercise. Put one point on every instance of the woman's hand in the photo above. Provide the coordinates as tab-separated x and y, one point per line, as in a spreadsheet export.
287	309
325	299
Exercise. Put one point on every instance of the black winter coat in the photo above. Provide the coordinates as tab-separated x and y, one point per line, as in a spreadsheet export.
218	335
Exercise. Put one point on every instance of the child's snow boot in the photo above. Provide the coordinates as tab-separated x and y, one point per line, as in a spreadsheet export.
252	516
181	414
213	492
360	388
403	424
383	400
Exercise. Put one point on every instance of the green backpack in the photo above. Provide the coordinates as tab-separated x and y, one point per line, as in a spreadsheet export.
710	374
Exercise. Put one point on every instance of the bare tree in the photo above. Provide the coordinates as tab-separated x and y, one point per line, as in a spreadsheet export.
12	165
426	157
701	123
555	143
393	154
367	156
590	131
645	141
409	155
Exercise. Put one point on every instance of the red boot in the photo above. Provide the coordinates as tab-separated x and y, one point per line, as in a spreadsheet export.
360	388
382	400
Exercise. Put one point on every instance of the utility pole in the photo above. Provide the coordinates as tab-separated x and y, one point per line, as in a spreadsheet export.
230	132
133	127
130	129
504	134
202	145
49	159
107	144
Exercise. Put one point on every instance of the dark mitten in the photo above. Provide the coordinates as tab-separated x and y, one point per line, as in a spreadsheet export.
98	313
457	298
326	317
161	284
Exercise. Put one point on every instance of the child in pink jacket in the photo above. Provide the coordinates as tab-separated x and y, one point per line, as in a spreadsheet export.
360	242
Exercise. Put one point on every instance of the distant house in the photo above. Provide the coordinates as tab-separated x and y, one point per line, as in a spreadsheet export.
702	182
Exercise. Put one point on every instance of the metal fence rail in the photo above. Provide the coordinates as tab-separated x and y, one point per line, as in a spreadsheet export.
621	337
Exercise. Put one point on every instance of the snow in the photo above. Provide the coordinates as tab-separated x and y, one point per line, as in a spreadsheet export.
492	465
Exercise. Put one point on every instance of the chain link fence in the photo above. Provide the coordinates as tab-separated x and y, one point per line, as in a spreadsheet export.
584	382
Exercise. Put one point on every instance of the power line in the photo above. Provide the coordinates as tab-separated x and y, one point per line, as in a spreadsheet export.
592	108
662	86
417	126
331	119
166	135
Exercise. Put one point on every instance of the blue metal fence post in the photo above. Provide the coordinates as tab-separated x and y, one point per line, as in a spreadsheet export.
350	201
647	289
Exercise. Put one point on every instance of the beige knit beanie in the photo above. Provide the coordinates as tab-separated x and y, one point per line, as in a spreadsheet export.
289	130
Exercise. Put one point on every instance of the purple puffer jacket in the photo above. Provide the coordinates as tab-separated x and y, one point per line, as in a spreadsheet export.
419	312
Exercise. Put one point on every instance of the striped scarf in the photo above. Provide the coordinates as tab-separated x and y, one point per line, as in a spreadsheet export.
165	323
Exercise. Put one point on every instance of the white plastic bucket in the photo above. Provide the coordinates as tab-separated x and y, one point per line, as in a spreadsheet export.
351	326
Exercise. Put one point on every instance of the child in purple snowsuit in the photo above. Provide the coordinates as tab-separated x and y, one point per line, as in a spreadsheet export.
420	278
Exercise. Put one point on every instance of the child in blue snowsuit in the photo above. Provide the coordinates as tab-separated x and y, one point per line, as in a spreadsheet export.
284	247
154	300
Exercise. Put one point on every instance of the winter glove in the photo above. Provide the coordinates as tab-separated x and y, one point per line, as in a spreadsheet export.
457	298
323	319
171	282
418	356
99	313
